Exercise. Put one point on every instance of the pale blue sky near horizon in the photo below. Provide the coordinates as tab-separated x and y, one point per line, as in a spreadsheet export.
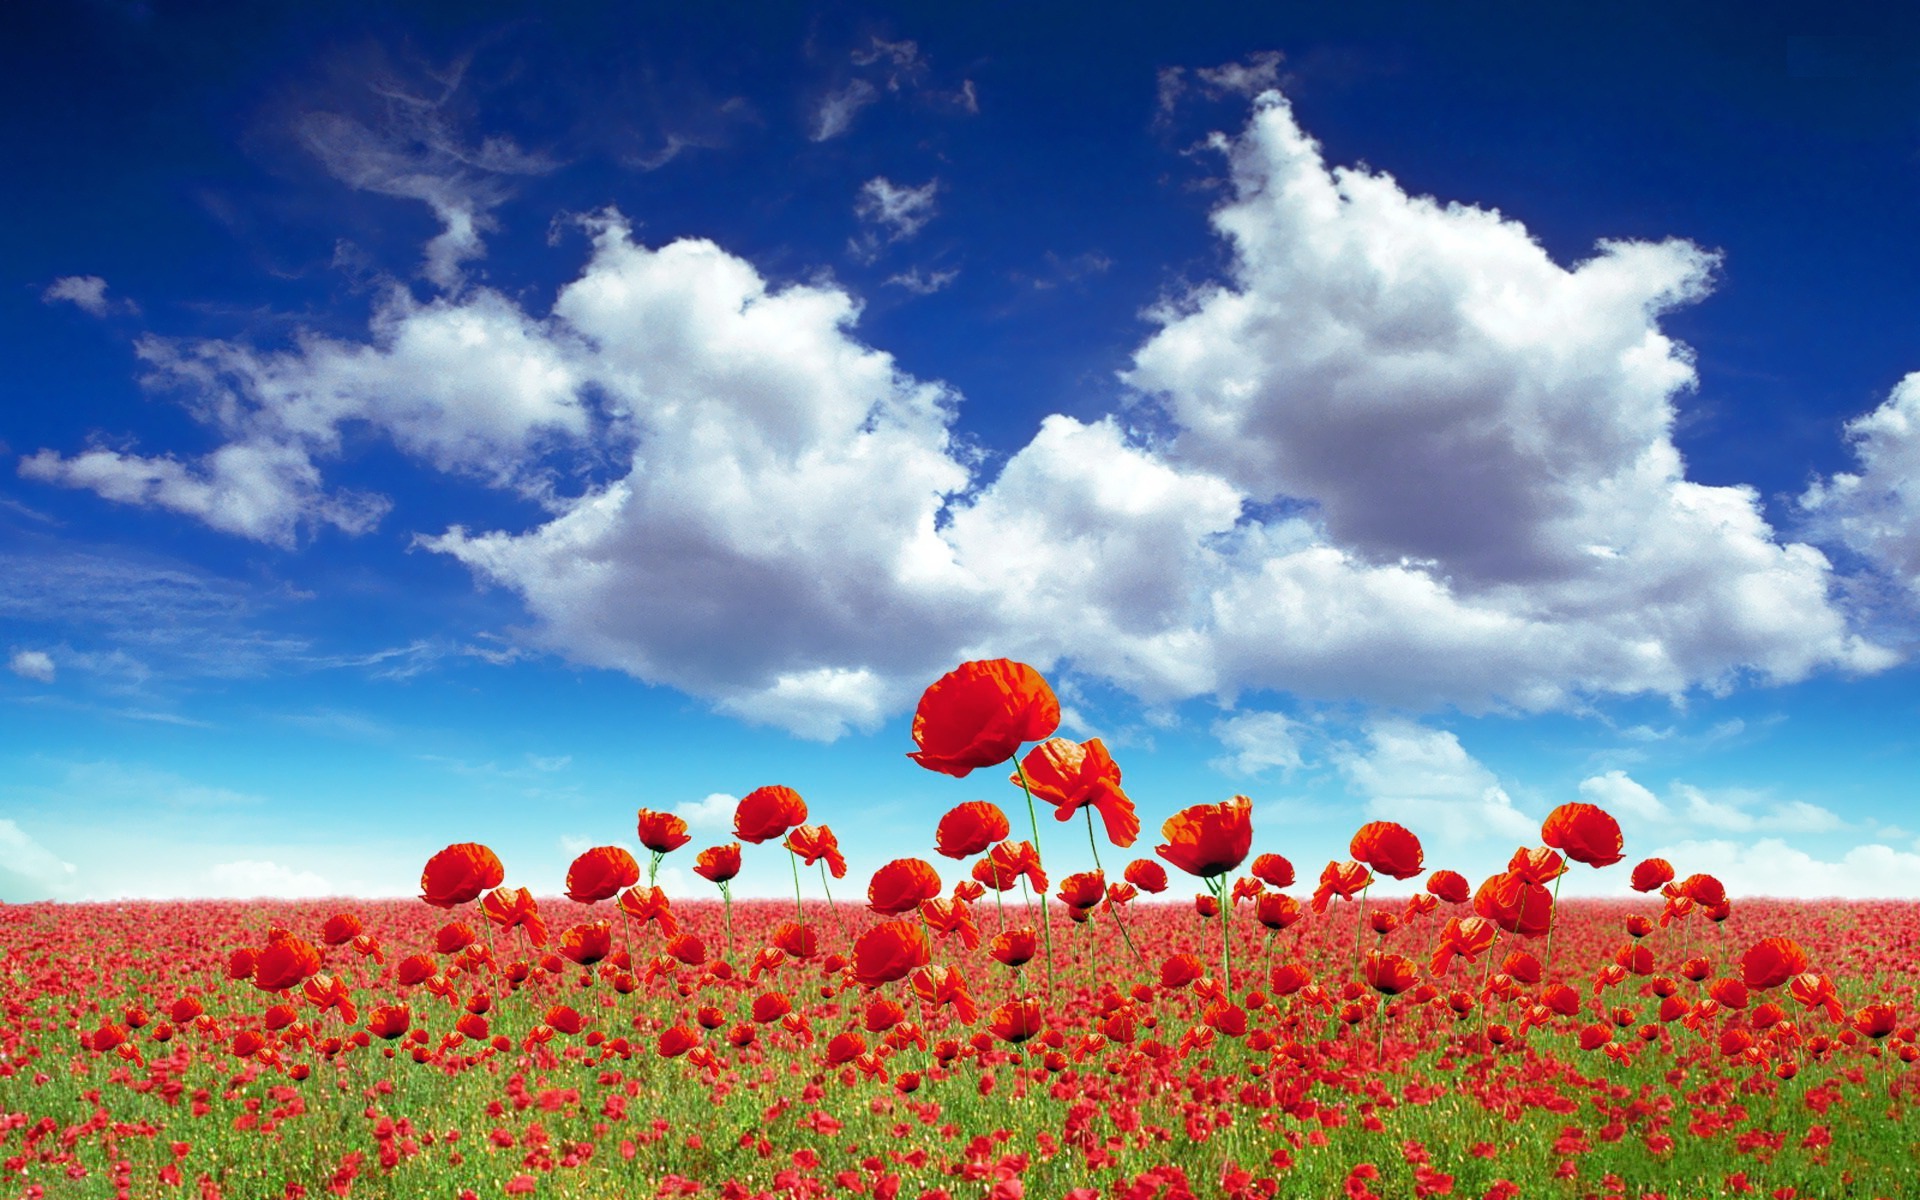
432	423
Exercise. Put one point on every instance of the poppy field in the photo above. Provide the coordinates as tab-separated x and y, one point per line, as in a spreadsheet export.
1174	1023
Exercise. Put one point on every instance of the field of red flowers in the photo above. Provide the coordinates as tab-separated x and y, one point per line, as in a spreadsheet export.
979	1031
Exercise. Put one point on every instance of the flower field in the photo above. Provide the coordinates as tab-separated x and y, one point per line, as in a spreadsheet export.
1187	1027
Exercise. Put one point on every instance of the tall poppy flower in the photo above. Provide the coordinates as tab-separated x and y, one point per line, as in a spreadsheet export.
1083	890
1536	864
767	813
1771	962
1005	865
1272	870
1388	973
1450	886
814	843
646	904
1704	890
1515	904
1147	875
1343	879
942	986
1651	874
901	885
1209	840
587	943
1015	947
662	833
459	874
600	873
969	828
389	1021
718	864
285	963
890	950
340	929
1073	775
1586	833
979	713
1017	1020
1389	848
510	907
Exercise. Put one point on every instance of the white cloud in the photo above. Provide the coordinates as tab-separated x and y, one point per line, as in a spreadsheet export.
30	871
1770	867
712	811
836	110
922	284
1483	437
1621	795
36	665
1424	779
1876	510
1258	741
88	293
896	212
249	877
1733	811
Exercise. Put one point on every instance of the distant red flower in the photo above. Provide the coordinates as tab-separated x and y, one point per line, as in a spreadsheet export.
1017	1020
600	873
718	863
1651	874
340	929
510	907
1704	890
1272	870
565	1018
285	963
980	713
796	939
1147	875
951	918
662	832
1450	886
766	813
453	937
389	1021
587	943
815	842
1388	973
676	1041
1585	832
944	986
1209	840
969	828
1073	775
1389	848
1771	962
1462	937
413	969
889	951
901	885
1179	970
1343	879
459	874
687	948
1515	904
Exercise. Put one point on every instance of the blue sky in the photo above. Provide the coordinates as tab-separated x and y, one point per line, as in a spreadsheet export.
442	423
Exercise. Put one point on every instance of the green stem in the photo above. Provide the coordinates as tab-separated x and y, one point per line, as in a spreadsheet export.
726	896
1118	923
1221	898
1553	921
1033	822
831	907
793	860
1359	926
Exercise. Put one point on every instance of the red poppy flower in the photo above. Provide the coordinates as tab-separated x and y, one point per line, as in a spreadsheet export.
1083	890
1585	832
815	842
588	943
1006	863
646	904
389	1021
508	907
662	832
676	1041
1771	962
1651	874
1276	910
285	963
1343	879
1147	875
969	828
340	929
1073	775
1209	840
1515	904
901	885
796	939
1288	978
1272	870
1388	848
944	986
889	951
413	969
459	874
1388	973
1179	970
718	863
453	937
950	918
980	713
766	813
1015	947
1876	1020
1536	864
600	873
1462	937
1704	890
687	948
565	1018
1450	886
1017	1020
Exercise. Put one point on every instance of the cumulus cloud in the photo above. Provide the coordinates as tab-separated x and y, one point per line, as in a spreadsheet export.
30	871
247	878
88	293
1258	742
1621	795
1875	511
1735	812
36	665
712	811
1771	867
1424	779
